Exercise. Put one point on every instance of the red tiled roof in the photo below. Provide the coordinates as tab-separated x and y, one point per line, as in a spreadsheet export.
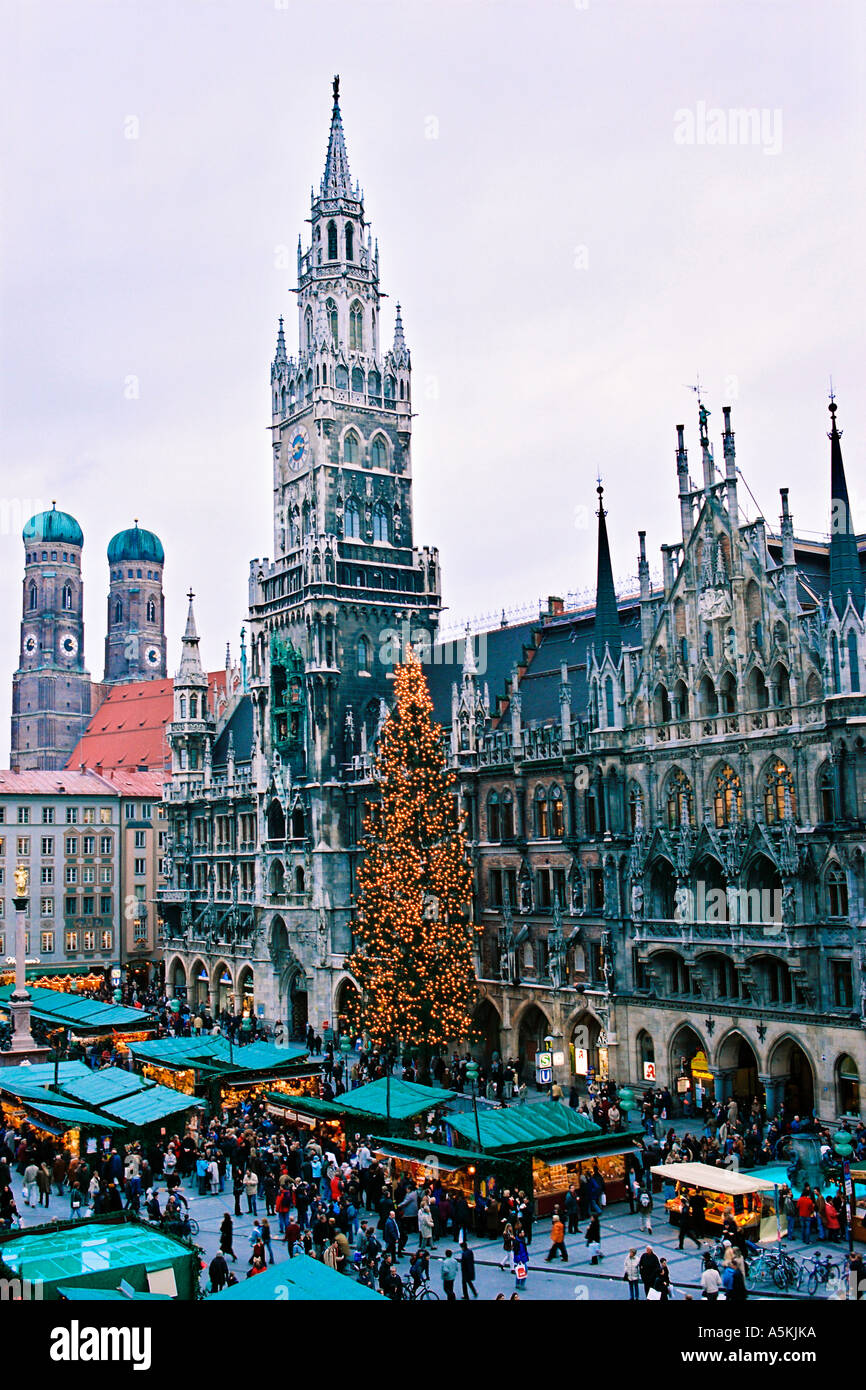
52	783
128	728
137	784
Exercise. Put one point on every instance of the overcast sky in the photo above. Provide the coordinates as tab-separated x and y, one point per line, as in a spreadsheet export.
569	240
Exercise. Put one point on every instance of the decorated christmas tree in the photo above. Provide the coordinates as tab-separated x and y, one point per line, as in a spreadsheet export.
413	931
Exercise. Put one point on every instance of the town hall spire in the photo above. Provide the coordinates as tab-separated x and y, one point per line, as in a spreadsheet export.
845	572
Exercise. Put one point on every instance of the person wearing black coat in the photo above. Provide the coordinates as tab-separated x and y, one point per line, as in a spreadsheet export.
649	1268
218	1273
467	1271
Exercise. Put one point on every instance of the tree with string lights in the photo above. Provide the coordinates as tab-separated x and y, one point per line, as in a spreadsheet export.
413	928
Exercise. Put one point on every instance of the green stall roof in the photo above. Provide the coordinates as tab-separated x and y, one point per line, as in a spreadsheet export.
530	1127
68	1116
215	1054
87	1248
449	1158
78	1013
151	1105
106	1084
299	1280
371	1101
30	1078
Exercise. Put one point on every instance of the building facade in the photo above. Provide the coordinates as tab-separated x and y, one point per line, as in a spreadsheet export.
662	792
266	802
668	830
135	626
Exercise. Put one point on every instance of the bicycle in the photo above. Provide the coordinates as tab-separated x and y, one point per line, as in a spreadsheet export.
422	1292
819	1269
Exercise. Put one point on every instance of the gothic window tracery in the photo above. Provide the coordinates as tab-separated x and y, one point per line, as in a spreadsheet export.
728	798
779	800
356	328
679	800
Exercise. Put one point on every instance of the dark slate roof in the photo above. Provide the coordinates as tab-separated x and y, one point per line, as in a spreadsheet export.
241	726
565	637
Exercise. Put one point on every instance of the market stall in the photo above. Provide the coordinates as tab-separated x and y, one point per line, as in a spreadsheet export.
83	1020
753	1202
858	1201
399	1106
87	1107
222	1073
98	1255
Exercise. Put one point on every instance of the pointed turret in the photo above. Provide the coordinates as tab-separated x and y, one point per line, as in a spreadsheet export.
280	358
336	181
607	628
190	671
399	352
845	573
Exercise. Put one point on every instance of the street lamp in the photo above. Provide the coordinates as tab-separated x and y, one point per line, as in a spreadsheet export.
345	1049
843	1147
472	1078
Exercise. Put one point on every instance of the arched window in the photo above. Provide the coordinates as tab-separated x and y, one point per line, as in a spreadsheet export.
779	803
66	601
728	694
374	386
151	611
332	241
708	698
507	814
358	381
331	311
836	884
661	705
352	521
308	329
118	612
300	882
390	385
298	826
183	707
341	377
356	328
557	813
827	795
494	819
381	531
681	700
759	695
379	452
728	798
853	660
834	655
351	448
34	597
610	714
542	818
193	707
781	685
363	654
350	242
680	811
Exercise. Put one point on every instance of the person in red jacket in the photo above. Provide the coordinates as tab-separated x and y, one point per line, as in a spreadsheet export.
805	1212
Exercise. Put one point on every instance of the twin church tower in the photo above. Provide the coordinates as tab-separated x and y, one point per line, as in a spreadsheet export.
53	695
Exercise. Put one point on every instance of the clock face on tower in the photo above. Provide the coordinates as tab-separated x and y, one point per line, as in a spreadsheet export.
68	645
299	449
151	656
30	644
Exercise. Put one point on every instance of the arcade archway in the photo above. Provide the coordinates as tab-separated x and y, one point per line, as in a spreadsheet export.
792	1072
486	1025
737	1060
532	1030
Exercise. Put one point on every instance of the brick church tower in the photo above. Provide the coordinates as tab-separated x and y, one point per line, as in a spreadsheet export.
51	690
